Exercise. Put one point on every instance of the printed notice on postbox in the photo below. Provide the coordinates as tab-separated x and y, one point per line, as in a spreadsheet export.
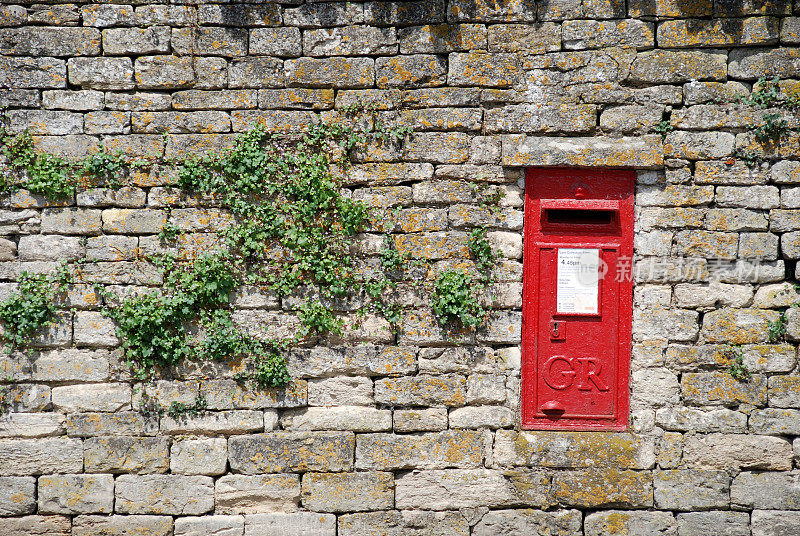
578	281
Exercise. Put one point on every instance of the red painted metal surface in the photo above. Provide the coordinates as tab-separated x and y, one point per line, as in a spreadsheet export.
576	330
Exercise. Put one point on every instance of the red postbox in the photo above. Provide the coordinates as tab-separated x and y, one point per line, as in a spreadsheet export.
577	299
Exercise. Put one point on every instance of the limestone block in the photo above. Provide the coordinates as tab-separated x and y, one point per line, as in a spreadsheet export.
595	488
36	525
480	417
411	71
718	451
774	523
199	456
122	454
411	522
420	420
40	456
737	326
294	524
215	423
631	523
17	495
164	494
336	72
49	41
573	450
437	450
355	418
241	494
164	72
101	73
690	419
718	388
76	494
276	42
422	390
766	490
291	451
92	397
136	41
216	525
348	492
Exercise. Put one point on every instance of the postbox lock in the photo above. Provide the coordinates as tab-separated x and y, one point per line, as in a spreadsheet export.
558	330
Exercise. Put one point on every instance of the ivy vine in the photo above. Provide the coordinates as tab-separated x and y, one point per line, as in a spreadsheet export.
291	233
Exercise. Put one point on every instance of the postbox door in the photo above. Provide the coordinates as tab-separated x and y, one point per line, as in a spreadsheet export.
576	344
577	299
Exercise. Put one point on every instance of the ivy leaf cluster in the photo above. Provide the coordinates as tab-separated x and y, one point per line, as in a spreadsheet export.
25	312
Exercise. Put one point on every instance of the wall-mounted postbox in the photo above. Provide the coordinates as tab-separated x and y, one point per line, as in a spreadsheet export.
577	296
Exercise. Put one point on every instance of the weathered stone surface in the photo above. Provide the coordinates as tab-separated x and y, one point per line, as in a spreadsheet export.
666	66
719	451
355	418
727	523
292	451
439	450
76	494
717	388
629	523
164	72
199	456
32	425
770	523
240	494
661	323
750	63
573	449
767	490
104	424
49	41
218	525
101	73
412	71
594	488
214	423
737	326
447	390
17	495
689	419
117	525
775	421
92	397
784	391
640	152
407	522
164	494
330	72
521	522
121	454
420	420
40	456
294	524
348	492
454	488
37	526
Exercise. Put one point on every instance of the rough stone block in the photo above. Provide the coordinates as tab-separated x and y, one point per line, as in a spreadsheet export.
597	488
292	451
439	450
32	425
766	490
451	489
629	523
752	63
484	69
772	523
330	72
164	72
17	495
92	397
121	454
731	452
49	41
420	420
348	492
737	326
640	152
75	221
411	522
199	456
717	388
101	73
33	72
355	418
437	39
103	424
214	423
447	390
37	525
40	456
164	494
670	67
294	524
76	494
239	494
217	525
412	71
573	449
115	525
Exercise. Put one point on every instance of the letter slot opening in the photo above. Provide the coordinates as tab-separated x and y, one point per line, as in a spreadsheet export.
569	216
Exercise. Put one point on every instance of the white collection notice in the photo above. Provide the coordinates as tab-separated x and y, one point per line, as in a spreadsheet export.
578	281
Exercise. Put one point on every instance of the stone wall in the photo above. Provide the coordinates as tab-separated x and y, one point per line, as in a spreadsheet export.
408	433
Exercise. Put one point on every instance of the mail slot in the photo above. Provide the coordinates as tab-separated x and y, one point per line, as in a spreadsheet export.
577	299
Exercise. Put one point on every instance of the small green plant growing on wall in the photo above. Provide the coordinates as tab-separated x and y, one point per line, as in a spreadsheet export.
737	368
28	310
664	128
